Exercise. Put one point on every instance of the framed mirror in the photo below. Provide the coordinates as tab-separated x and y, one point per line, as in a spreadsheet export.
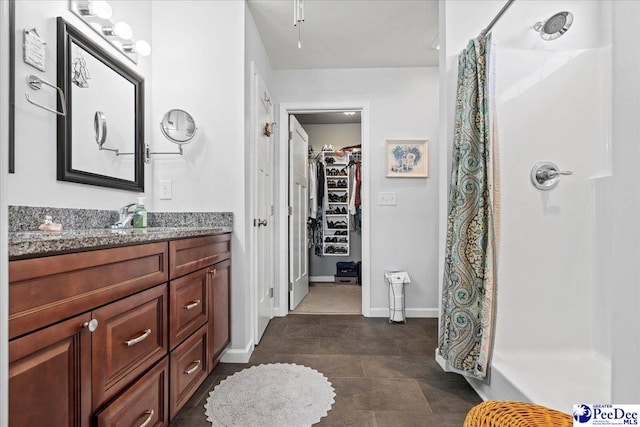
98	87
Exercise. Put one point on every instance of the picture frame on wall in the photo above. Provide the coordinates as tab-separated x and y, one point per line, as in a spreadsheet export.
407	158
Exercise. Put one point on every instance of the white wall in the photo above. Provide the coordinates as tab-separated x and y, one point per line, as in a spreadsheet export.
625	204
339	136
551	295
198	66
34	182
403	105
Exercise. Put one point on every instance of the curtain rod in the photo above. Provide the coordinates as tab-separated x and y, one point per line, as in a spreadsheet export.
497	18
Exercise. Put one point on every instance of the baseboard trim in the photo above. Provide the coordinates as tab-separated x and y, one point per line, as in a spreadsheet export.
238	355
409	312
322	279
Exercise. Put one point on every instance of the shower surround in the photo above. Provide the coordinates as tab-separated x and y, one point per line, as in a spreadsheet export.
553	103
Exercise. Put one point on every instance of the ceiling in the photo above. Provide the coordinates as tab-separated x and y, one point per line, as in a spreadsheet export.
327	118
349	33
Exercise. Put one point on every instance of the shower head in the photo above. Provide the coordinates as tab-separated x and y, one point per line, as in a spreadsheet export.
555	26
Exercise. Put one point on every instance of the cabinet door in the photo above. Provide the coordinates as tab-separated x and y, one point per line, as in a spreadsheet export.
219	315
145	403
50	376
188	305
132	336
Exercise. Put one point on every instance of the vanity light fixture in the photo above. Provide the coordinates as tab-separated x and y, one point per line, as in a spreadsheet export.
123	30
97	14
141	47
99	8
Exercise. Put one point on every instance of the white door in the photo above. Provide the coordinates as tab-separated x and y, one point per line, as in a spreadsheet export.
298	202
264	220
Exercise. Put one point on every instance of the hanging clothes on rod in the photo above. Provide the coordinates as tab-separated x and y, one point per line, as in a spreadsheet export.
313	189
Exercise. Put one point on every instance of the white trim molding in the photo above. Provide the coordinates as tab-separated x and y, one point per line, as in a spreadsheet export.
238	355
282	194
430	313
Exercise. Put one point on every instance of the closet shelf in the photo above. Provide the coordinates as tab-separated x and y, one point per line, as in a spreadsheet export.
340	195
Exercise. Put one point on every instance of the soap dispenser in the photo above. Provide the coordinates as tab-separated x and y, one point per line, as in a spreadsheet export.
140	214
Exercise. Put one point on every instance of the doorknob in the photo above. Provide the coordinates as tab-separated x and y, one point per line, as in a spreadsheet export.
259	222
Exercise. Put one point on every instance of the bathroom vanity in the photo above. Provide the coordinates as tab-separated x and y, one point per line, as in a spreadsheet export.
115	334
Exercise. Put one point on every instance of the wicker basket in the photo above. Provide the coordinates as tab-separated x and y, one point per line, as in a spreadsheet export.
499	413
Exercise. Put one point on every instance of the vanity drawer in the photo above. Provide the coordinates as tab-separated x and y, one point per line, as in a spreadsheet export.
189	255
188	302
146	402
45	290
131	337
188	369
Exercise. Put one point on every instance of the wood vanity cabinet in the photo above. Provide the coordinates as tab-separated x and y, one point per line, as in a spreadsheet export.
201	268
162	312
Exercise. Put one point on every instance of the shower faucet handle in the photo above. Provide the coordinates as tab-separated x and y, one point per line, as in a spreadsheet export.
544	175
552	173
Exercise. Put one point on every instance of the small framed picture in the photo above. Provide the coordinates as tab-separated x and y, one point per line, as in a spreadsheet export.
407	158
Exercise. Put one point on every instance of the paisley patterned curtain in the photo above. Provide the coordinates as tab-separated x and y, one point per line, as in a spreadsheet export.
468	292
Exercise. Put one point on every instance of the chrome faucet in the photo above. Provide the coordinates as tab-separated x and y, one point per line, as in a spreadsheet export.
126	217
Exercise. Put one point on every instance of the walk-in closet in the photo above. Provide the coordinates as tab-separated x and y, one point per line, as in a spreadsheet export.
335	212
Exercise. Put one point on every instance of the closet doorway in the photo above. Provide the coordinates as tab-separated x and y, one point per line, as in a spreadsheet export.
336	214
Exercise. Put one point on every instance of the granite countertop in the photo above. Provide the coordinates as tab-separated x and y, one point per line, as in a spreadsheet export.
23	244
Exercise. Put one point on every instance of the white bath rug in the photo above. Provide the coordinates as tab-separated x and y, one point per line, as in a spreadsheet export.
273	395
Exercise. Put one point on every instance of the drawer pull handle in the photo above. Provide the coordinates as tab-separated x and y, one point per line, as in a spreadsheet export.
194	304
136	340
149	415
213	271
196	365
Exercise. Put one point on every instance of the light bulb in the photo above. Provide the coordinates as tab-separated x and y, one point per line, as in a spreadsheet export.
299	44
123	30
143	48
101	9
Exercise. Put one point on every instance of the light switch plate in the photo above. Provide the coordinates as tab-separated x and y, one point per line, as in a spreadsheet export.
165	189
387	199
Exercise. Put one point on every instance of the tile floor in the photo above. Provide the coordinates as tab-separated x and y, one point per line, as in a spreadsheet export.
384	375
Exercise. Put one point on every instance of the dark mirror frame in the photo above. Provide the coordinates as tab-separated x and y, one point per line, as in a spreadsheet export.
12	85
67	34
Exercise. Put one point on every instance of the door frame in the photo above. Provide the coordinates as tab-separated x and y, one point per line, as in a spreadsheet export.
282	194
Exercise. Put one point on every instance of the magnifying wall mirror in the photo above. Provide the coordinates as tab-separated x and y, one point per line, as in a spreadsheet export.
178	126
100	128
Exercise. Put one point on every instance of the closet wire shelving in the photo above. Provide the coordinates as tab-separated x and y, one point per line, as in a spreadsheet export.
336	223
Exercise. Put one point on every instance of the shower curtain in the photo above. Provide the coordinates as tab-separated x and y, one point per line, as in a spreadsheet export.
470	270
